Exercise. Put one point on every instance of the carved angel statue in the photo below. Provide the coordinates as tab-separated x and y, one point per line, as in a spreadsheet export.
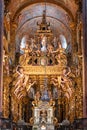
64	82
60	55
23	91
20	81
25	58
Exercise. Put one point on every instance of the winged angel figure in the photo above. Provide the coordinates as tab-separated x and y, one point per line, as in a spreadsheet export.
20	83
65	82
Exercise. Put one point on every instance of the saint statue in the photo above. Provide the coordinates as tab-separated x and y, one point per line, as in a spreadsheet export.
44	43
45	95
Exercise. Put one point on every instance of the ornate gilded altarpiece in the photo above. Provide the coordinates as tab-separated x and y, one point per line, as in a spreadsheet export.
43	71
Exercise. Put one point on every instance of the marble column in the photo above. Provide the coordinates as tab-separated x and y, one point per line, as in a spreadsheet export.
1	50
85	58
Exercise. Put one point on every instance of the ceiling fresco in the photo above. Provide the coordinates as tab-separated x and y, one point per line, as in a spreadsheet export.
17	5
36	10
60	13
57	16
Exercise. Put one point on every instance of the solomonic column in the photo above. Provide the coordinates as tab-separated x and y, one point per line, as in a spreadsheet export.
1	52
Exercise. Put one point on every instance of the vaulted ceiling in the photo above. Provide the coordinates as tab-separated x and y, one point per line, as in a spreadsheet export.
60	13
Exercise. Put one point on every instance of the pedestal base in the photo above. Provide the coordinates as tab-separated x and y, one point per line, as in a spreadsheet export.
46	127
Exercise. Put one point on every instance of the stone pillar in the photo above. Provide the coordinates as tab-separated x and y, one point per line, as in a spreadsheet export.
85	58
1	51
